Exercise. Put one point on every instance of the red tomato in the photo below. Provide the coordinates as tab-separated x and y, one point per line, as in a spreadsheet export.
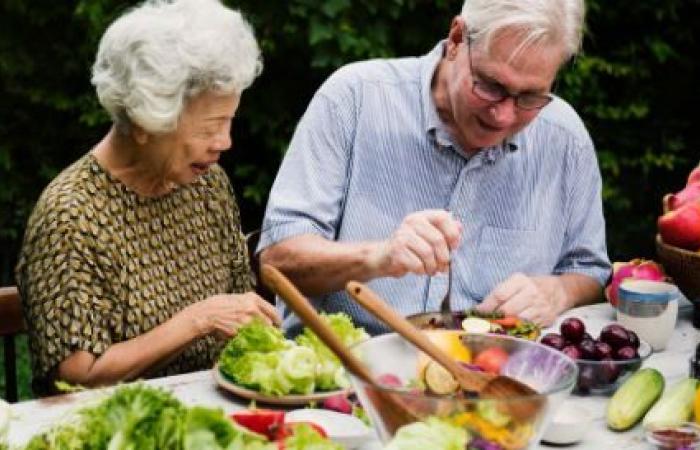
263	421
491	359
507	322
288	429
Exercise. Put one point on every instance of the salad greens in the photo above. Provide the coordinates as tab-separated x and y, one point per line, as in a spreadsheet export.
433	433
138	417
330	373
306	438
259	337
260	358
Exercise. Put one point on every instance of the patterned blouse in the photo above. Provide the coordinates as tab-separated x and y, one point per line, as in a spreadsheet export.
100	264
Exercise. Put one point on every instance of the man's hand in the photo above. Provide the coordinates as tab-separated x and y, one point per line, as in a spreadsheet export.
538	299
420	245
541	299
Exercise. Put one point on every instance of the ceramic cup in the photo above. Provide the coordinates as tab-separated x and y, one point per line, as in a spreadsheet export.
650	309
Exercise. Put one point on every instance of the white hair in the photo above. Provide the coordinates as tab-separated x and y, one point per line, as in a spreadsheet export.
535	22
156	57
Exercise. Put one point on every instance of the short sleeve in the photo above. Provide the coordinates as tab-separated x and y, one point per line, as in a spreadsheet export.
309	192
585	250
61	276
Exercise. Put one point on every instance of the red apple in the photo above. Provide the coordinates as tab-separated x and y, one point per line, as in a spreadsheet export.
638	269
689	194
681	227
694	176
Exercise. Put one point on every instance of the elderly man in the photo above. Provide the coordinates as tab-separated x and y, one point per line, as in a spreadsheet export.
460	160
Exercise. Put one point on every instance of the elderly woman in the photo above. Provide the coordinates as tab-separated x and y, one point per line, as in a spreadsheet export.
133	262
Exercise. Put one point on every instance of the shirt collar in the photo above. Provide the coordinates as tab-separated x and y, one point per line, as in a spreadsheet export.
431	121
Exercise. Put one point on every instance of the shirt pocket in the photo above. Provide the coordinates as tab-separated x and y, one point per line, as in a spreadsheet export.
502	252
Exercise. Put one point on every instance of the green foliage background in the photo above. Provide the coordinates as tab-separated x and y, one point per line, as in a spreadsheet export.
635	85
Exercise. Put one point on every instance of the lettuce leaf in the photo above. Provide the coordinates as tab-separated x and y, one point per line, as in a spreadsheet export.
433	433
306	438
331	374
207	428
258	337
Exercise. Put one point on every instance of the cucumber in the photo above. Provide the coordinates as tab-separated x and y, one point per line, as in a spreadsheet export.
674	407
634	398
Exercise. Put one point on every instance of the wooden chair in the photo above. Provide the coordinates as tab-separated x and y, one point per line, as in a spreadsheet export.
11	324
252	239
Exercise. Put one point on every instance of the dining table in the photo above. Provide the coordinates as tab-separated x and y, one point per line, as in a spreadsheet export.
200	388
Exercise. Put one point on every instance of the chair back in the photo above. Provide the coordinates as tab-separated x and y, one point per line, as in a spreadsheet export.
11	324
252	240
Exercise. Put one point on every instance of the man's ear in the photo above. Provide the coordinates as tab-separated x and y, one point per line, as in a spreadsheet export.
139	135
455	37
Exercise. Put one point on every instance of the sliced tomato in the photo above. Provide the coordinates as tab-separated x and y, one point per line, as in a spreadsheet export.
492	359
507	322
288	429
263	421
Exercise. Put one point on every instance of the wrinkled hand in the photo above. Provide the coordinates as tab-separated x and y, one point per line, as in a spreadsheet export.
538	299
420	245
224	314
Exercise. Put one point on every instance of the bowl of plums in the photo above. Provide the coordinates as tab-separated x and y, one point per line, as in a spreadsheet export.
605	361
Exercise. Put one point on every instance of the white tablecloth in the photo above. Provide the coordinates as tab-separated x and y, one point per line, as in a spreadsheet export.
199	388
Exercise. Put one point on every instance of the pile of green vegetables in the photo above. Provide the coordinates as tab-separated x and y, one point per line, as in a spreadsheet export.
260	358
138	417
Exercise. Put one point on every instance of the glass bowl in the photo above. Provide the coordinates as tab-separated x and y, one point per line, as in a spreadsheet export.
551	373
685	436
604	377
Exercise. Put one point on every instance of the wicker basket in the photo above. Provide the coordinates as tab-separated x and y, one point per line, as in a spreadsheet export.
681	265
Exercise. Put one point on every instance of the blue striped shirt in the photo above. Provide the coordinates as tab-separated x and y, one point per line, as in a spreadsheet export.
370	149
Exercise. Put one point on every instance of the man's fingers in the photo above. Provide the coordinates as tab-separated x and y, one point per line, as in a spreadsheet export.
500	294
414	243
438	243
450	227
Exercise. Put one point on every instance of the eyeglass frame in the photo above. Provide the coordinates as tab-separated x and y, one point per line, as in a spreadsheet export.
497	91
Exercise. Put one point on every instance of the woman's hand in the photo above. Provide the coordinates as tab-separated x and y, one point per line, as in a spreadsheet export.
224	314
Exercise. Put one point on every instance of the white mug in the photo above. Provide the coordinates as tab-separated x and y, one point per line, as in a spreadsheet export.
650	309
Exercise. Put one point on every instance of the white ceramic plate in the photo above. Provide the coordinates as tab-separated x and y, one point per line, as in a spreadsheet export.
344	429
289	400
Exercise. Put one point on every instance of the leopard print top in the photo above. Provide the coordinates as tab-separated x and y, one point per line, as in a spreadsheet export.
101	264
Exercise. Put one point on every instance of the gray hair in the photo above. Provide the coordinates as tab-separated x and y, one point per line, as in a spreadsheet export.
535	22
156	57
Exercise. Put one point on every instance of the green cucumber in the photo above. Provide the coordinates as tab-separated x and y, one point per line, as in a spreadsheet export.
674	407
634	398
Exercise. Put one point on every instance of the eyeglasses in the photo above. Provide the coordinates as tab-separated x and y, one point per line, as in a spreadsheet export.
493	92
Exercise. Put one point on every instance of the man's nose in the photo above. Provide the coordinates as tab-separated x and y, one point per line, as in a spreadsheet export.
504	112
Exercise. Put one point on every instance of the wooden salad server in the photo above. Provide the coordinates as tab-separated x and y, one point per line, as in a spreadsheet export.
486	385
395	414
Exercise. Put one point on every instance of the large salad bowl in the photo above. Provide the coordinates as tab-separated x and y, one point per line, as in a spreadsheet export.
487	421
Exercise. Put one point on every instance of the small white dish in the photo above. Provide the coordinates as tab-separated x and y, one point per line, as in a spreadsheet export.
569	424
344	429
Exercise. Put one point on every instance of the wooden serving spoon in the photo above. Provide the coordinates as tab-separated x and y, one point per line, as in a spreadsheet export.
394	413
485	384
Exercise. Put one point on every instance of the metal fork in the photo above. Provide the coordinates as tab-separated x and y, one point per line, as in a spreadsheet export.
445	310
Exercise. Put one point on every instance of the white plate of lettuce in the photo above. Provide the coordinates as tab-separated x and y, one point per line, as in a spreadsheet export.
260	364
